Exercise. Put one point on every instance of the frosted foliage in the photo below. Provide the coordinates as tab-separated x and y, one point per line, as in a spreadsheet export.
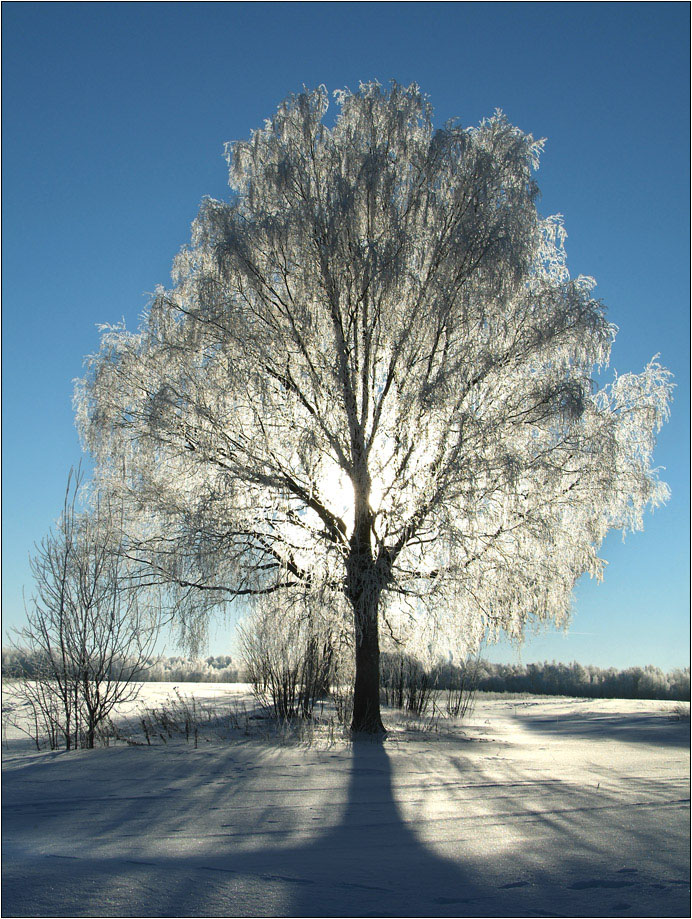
374	351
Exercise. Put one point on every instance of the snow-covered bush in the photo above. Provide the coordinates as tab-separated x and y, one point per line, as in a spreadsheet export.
406	683
290	656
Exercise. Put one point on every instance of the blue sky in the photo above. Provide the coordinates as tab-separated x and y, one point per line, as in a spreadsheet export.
114	119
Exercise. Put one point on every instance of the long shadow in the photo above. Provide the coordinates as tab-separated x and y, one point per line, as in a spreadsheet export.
644	728
372	859
369	862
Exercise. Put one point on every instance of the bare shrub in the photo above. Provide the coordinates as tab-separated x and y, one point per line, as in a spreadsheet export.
88	633
185	716
342	682
406	683
462	687
681	712
290	656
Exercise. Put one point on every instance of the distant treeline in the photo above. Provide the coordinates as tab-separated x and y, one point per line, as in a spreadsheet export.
578	680
216	669
546	678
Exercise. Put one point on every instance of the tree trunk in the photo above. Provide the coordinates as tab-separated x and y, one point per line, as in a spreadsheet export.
363	589
366	693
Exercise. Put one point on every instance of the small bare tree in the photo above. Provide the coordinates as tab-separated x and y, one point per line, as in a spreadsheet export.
86	625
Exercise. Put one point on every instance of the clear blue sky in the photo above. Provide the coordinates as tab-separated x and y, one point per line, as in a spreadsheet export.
114	119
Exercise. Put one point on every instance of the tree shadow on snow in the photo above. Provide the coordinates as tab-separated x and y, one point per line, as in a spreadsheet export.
377	865
370	863
645	728
264	859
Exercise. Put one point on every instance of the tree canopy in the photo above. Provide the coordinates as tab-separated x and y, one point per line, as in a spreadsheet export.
373	380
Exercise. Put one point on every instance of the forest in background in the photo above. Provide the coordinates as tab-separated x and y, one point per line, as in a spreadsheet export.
546	678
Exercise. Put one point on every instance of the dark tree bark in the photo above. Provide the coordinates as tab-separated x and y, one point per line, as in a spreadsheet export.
366	694
363	590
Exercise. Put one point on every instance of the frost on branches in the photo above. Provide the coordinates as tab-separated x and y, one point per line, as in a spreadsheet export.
373	382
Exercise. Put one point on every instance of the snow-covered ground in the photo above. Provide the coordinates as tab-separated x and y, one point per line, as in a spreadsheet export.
534	807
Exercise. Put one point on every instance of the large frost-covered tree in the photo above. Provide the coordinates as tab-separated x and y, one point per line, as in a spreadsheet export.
373	379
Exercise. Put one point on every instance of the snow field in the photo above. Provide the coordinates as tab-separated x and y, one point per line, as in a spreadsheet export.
532	807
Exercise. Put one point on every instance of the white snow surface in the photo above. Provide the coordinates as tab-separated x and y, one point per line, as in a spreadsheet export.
532	807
